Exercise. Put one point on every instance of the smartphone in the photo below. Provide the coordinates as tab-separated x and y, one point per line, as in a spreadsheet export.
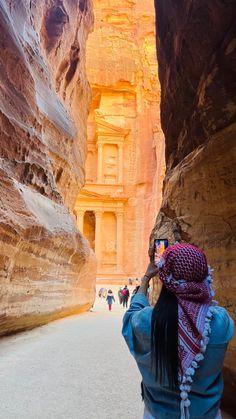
159	247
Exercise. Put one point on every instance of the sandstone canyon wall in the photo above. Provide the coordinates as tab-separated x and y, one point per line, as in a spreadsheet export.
124	181
47	269
196	48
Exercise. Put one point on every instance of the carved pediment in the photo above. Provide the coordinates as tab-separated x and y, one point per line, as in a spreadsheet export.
91	195
105	129
84	193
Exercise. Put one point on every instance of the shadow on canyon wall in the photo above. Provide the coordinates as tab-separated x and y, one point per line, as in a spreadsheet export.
196	50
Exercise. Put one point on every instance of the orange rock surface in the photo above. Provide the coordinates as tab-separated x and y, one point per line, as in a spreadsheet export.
125	163
47	269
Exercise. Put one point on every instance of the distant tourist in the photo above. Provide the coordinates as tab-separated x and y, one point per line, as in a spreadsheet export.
130	281
137	282
179	344
125	296
110	299
120	295
102	293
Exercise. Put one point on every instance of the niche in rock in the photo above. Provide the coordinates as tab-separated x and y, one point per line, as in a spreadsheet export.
110	168
55	20
83	5
74	59
109	240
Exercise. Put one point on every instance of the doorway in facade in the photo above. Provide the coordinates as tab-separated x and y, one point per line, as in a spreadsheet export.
89	228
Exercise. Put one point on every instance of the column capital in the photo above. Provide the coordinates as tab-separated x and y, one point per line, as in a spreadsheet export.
120	145
98	213
80	212
119	213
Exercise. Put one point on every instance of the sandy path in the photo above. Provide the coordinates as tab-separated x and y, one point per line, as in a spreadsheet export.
75	368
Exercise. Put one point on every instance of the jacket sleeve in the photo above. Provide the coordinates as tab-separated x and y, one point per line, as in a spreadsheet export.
222	327
138	303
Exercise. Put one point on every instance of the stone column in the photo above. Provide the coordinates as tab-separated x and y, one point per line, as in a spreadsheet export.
99	167
120	163
119	240
98	238
80	220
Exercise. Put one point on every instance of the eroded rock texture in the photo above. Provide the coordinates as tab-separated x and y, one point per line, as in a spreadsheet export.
47	269
196	46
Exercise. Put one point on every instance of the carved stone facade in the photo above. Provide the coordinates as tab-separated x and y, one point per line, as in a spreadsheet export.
116	209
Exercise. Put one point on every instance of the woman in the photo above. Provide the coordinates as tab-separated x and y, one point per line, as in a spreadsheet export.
110	299
180	343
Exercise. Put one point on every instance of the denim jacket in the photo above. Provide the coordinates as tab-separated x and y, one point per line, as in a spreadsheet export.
161	401
110	299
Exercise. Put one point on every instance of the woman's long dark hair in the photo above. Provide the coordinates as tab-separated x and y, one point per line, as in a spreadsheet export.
164	339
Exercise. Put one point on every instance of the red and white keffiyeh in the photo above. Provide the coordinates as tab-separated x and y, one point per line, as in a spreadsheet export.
184	271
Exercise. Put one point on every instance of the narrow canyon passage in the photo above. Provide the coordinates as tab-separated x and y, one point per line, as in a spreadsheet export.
99	155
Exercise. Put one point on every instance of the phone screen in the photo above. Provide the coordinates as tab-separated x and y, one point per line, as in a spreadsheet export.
159	247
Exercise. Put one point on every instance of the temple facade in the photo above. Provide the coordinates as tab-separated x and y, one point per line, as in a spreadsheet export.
116	209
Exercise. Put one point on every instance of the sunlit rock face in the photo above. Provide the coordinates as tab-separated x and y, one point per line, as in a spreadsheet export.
125	164
196	47
47	269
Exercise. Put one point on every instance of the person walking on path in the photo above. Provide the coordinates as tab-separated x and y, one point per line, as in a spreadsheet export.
180	343
102	293
120	295
110	298
125	296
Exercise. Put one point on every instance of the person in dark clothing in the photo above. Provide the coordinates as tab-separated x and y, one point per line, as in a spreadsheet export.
120	296
125	296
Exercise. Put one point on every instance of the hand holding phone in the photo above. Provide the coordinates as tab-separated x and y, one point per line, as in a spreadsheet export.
159	247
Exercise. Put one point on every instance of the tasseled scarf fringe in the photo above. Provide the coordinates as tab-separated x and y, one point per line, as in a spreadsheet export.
187	379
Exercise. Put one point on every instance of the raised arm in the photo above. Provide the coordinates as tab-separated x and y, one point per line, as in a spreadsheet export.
135	315
151	271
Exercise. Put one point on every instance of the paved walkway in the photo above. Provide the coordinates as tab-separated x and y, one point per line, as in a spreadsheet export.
75	368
